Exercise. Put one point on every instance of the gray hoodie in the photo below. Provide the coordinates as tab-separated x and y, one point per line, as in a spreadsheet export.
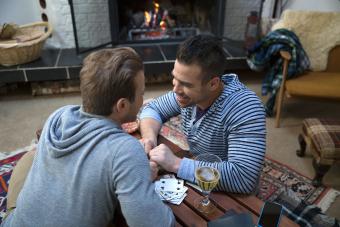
84	166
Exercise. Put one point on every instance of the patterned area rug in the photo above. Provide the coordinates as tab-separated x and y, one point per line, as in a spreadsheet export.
275	177
6	168
8	160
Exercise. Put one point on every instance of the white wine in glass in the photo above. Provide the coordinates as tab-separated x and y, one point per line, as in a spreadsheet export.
207	177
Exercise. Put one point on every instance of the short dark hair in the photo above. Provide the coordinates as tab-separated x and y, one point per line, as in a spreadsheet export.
205	51
106	76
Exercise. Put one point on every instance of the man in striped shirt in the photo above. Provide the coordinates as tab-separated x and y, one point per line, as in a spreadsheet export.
219	115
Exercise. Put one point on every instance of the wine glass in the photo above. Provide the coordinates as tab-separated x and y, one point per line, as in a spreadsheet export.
207	177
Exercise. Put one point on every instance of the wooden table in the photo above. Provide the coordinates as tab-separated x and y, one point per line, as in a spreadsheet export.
187	215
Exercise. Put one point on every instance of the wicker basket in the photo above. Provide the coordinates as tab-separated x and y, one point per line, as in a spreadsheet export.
26	45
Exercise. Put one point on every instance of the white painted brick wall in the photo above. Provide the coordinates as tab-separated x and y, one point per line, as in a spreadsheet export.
93	24
59	15
235	19
92	18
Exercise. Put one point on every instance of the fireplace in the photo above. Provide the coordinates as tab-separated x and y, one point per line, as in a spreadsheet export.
154	28
164	20
117	22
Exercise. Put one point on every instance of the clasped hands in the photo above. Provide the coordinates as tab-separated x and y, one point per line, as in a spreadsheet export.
160	156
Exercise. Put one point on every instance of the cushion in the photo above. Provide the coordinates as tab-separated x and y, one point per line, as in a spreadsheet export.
325	136
315	84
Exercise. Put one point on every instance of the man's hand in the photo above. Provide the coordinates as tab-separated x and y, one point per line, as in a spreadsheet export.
148	144
154	170
131	127
164	157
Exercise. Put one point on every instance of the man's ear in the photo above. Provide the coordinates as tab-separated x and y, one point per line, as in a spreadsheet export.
214	83
122	105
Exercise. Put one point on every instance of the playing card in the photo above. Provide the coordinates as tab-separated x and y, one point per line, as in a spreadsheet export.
177	195
173	185
171	189
178	201
166	195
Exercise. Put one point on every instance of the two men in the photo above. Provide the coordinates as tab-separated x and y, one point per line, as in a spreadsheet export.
219	115
85	164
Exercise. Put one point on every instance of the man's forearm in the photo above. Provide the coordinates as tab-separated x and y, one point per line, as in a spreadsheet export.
149	129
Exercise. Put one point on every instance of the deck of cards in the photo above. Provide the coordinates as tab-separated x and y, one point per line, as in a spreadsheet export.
171	190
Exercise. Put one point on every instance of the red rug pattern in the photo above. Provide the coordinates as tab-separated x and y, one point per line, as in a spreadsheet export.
6	168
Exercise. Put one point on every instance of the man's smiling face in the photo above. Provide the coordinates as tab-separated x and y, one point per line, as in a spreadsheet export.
188	85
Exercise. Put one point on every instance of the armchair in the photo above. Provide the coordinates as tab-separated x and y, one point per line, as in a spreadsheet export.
323	84
319	33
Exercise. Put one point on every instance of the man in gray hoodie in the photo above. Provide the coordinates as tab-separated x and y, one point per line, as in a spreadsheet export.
85	164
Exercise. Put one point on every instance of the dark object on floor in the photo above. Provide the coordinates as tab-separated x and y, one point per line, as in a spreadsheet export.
303	213
231	218
322	138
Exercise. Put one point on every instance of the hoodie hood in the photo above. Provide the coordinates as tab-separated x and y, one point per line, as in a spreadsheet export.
70	128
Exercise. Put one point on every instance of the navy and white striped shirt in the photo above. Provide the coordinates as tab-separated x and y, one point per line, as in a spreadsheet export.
234	128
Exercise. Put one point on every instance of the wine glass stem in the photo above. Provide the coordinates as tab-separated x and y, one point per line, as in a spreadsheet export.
206	200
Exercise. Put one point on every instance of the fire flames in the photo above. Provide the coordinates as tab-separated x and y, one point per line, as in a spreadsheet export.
159	23
155	18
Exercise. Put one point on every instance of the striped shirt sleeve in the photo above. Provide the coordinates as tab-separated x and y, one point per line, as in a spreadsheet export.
162	108
246	149
246	145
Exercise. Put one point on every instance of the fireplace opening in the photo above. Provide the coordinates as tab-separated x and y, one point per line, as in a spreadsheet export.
164	19
115	22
